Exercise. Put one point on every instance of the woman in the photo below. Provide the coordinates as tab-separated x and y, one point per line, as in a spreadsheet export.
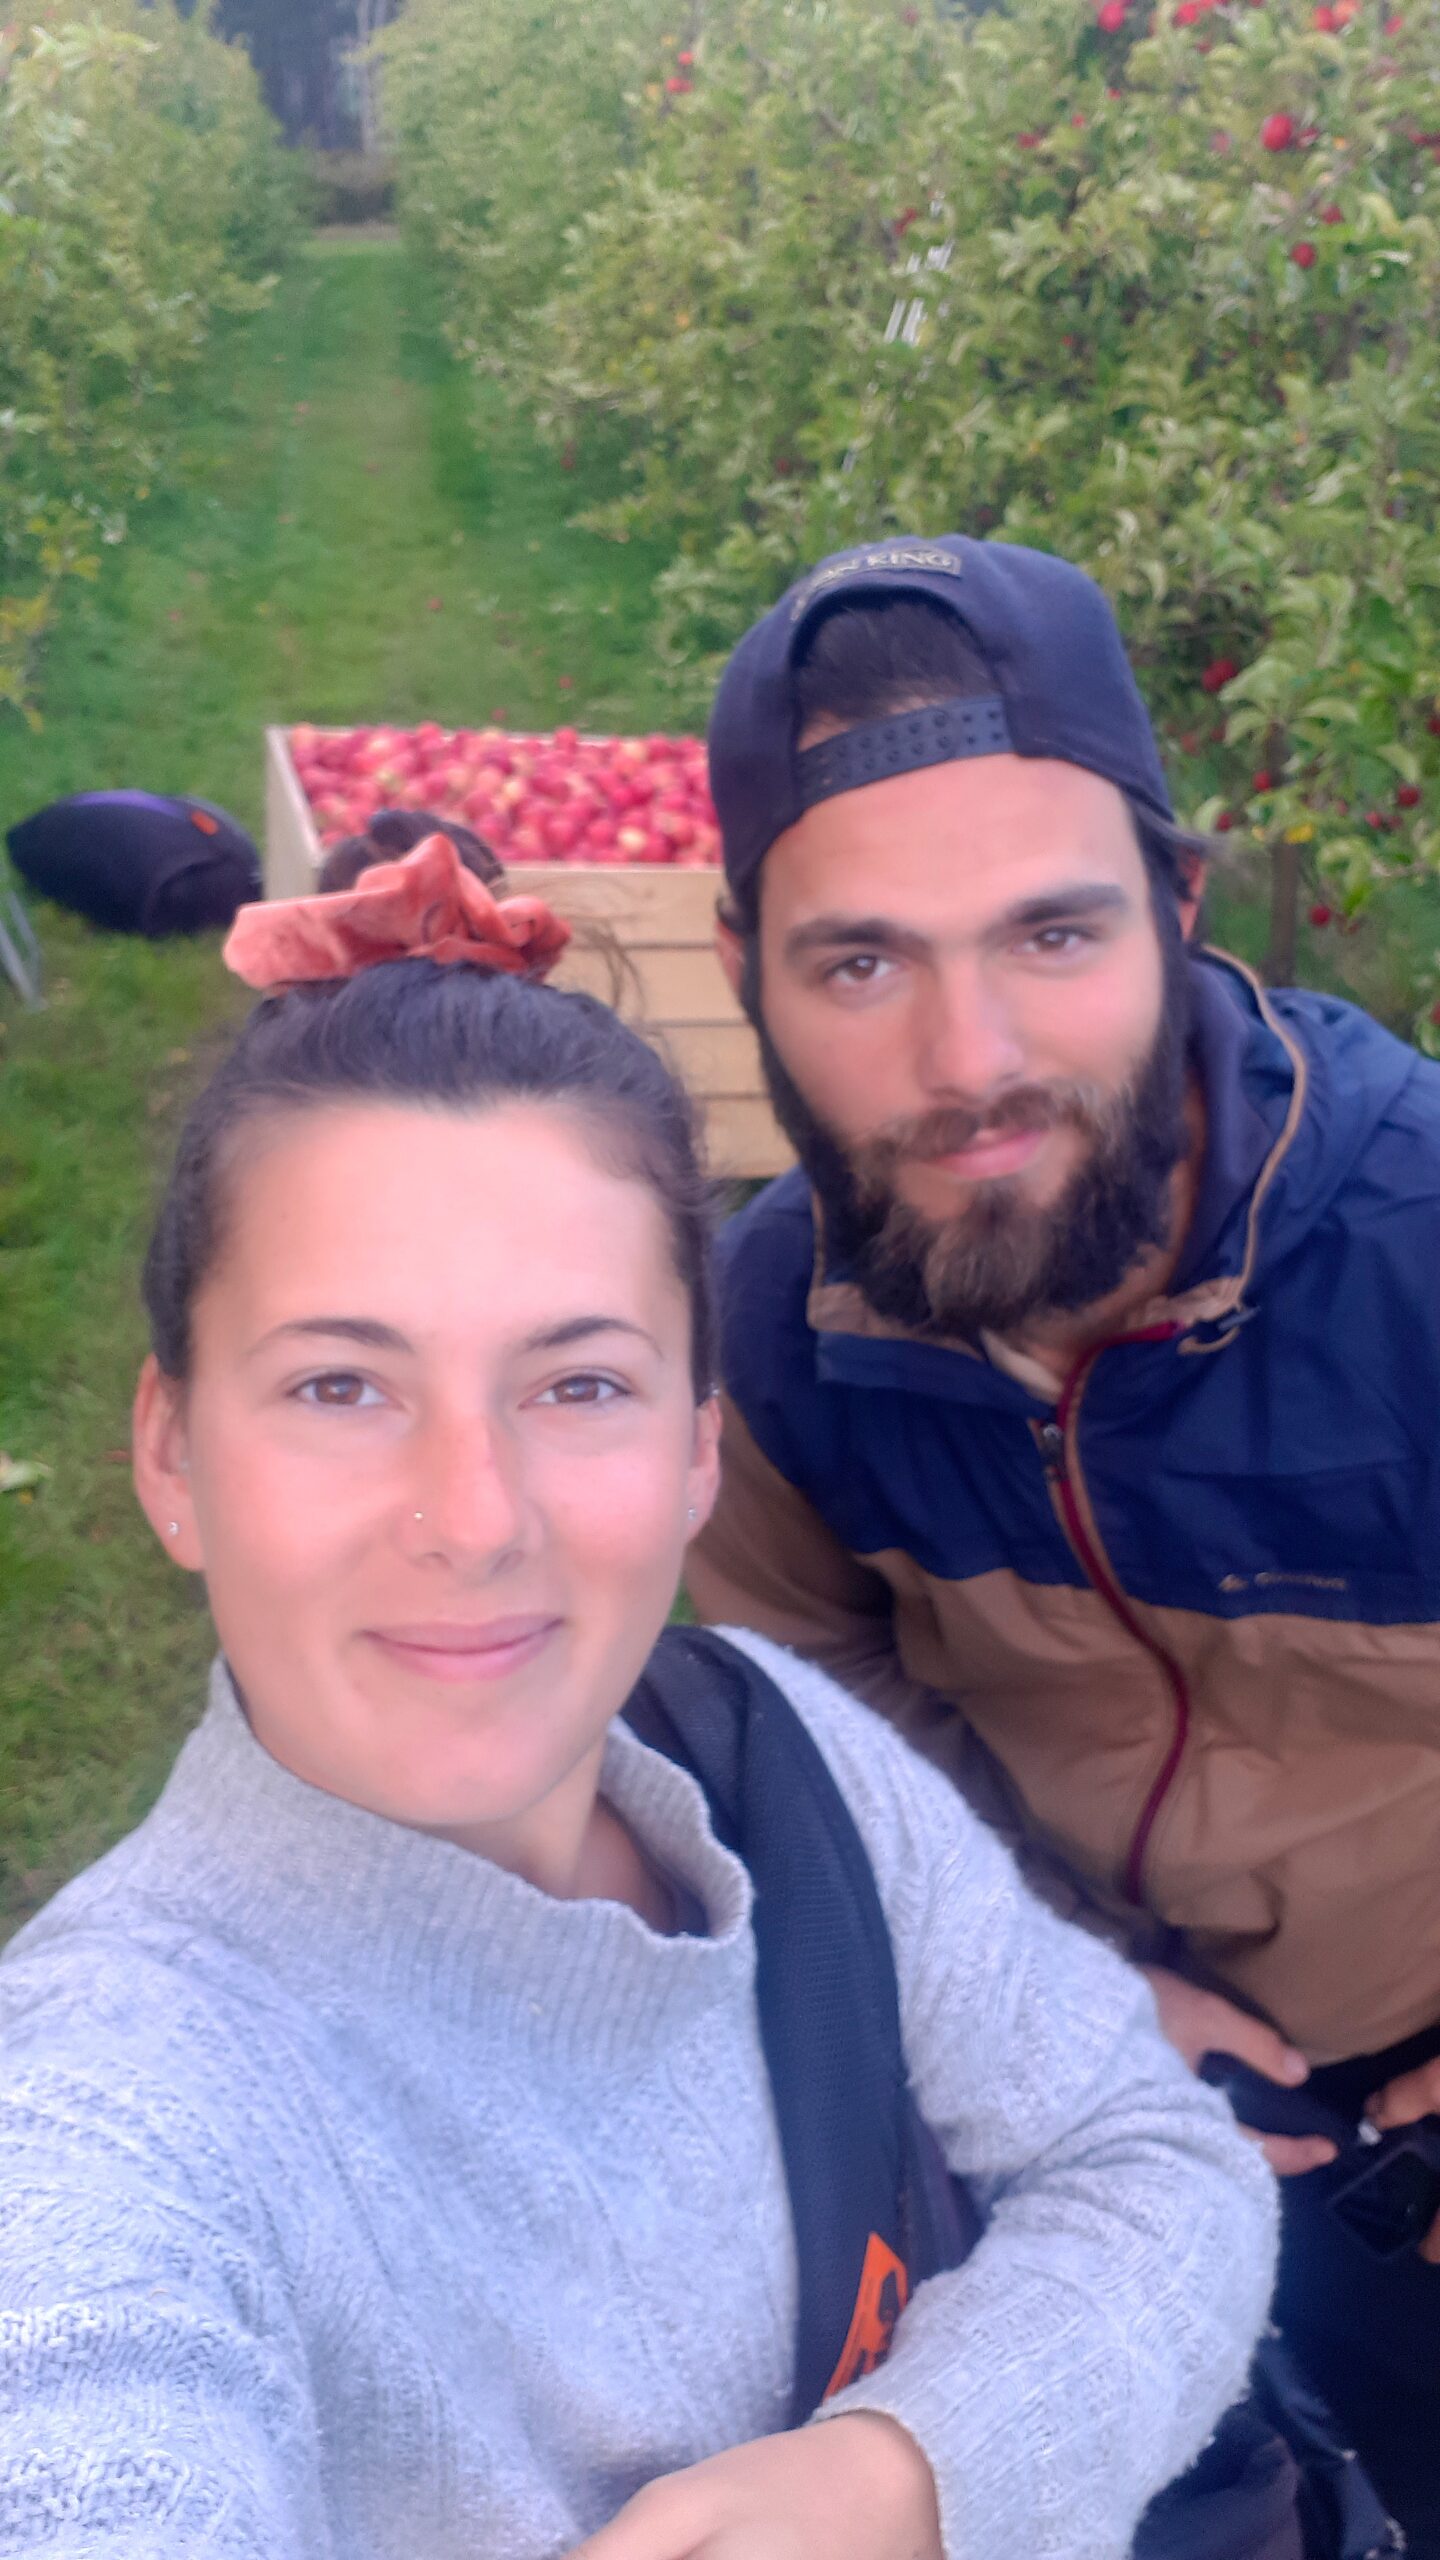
388	2161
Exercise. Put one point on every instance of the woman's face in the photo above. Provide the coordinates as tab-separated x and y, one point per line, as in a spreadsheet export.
436	1458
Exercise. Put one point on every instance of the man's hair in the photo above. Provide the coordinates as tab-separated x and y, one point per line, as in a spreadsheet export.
860	662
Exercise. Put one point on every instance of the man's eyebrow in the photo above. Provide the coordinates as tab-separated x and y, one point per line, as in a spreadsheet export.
882	933
1063	906
851	933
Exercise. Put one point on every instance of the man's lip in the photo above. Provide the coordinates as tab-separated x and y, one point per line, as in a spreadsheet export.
1006	1151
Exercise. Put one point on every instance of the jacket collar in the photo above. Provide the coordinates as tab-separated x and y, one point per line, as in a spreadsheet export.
1255	1079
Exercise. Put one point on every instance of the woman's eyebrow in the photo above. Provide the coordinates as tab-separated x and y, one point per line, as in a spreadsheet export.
558	1337
373	1336
365	1330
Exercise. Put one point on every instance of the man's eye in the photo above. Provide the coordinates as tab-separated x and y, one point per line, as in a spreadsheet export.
1058	940
337	1390
860	970
584	1388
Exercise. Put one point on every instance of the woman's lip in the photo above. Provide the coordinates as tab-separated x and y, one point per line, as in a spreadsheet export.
441	1651
988	1158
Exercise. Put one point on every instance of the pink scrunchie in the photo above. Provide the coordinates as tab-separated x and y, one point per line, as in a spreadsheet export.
425	907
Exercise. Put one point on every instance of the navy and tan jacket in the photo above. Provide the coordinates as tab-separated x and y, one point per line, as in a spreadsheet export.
1178	1631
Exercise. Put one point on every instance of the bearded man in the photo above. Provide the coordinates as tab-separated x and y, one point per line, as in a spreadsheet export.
1083	1381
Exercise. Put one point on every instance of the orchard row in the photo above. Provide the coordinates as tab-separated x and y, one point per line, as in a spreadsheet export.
1156	287
144	195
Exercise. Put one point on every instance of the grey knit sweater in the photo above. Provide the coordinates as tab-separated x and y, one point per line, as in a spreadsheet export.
359	2202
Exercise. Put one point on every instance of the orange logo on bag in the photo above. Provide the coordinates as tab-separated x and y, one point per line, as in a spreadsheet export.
207	825
884	2292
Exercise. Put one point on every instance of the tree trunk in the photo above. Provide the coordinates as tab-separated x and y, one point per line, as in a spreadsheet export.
370	17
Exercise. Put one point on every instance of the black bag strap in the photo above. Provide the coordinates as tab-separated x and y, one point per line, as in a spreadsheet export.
827	1995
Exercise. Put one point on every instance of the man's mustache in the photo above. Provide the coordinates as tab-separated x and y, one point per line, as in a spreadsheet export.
948	1129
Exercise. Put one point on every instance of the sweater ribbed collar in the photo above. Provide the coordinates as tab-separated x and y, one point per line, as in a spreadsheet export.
337	1905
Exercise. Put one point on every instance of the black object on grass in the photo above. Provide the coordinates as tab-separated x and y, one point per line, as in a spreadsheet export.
136	862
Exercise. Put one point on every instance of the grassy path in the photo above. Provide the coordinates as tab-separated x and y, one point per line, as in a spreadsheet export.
332	548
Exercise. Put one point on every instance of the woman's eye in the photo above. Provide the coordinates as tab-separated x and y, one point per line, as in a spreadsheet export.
583	1389
338	1390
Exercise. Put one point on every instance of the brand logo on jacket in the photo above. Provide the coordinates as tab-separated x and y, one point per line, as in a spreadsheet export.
1272	1580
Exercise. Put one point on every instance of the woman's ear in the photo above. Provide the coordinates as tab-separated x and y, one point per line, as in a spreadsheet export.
703	1484
160	1461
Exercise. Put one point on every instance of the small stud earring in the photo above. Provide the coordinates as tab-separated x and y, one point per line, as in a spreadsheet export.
692	1515
174	1528
419	1515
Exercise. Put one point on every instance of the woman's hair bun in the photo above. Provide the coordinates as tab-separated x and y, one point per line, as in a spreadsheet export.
426	906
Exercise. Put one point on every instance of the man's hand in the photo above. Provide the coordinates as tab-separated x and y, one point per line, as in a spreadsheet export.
1200	2022
1405	2101
856	2488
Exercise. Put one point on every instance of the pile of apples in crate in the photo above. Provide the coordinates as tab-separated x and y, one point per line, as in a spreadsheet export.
553	798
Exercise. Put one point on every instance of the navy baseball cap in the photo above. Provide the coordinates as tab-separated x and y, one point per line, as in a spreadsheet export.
1063	688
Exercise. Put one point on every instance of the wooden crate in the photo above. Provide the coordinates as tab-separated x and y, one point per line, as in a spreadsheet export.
664	921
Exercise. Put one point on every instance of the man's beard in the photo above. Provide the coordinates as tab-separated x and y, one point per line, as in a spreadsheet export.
1003	1261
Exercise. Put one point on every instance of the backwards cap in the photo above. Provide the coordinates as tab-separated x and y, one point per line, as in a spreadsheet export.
1063	688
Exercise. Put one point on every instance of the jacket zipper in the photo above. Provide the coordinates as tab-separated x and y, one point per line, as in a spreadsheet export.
1060	1441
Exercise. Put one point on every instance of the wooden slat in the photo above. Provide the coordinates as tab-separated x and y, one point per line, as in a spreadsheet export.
718	1058
292	848
644	906
682	984
742	1141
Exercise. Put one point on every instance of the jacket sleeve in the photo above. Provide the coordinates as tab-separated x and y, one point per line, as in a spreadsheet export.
1082	2355
153	2394
766	1560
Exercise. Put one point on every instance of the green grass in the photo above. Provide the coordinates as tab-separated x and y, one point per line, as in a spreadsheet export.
335	544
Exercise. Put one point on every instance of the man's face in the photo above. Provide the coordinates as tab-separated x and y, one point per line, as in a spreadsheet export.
975	1035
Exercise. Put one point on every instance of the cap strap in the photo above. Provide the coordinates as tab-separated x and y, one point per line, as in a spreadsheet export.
970	725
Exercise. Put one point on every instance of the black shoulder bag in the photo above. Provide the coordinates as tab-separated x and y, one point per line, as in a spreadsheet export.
875	2208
